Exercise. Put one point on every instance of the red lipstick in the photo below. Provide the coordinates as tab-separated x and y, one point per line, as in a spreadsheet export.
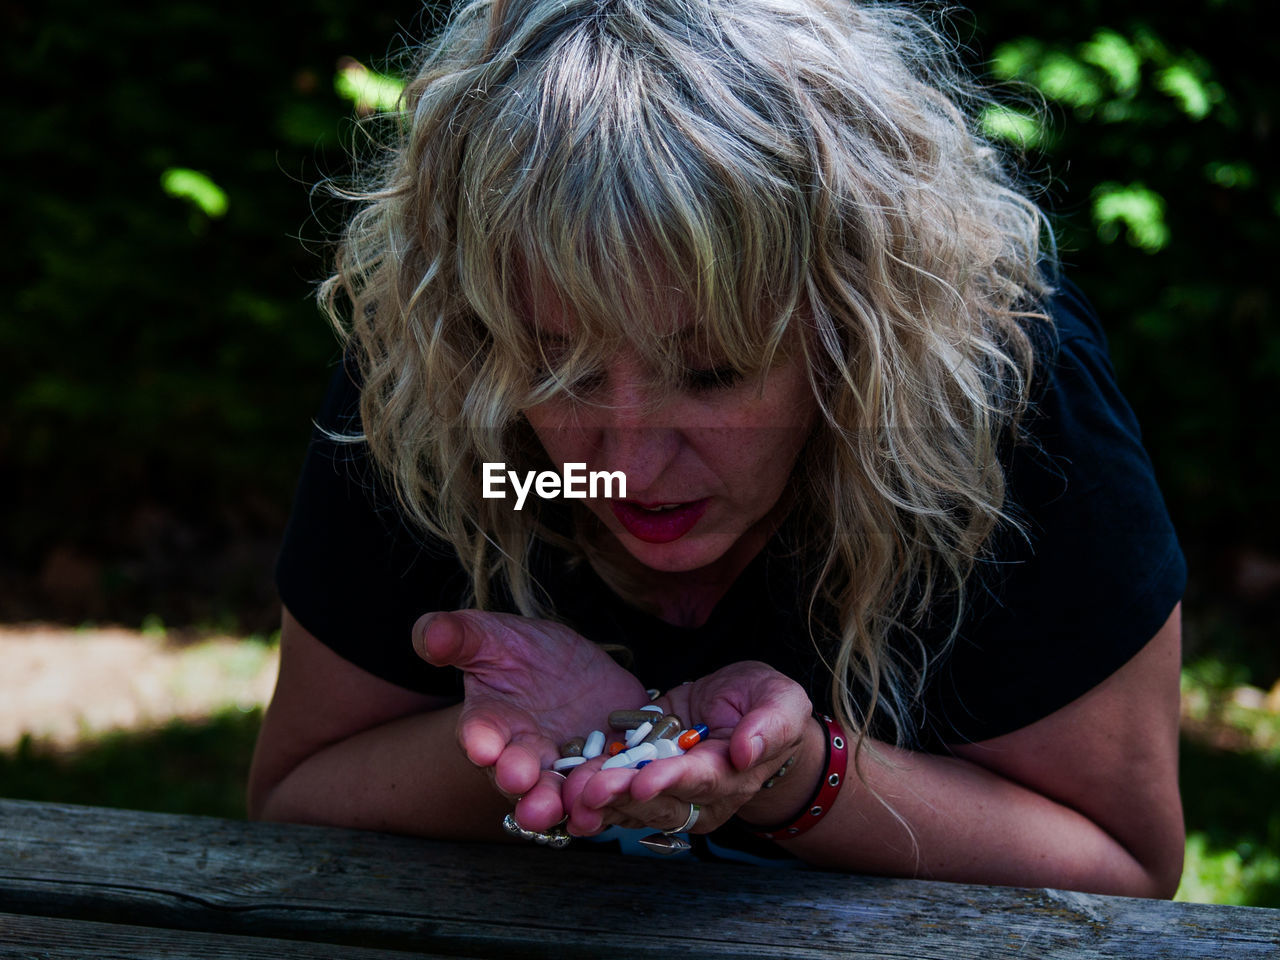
651	525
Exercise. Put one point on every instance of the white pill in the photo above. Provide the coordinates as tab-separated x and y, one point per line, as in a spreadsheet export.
666	748
594	745
617	760
654	707
638	734
568	763
640	753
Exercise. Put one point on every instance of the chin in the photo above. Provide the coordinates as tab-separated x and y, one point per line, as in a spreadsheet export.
675	557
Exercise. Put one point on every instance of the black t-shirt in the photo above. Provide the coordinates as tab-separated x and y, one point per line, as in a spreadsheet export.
1048	615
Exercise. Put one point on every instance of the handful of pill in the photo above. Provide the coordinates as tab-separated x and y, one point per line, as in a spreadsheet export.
647	734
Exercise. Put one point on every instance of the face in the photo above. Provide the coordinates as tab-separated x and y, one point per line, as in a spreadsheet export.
706	466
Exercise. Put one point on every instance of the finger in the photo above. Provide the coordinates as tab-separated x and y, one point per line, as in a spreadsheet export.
483	736
606	788
584	822
542	808
693	775
587	796
665	813
517	769
579	777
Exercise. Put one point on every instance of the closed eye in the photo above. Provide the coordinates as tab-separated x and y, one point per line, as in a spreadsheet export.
709	379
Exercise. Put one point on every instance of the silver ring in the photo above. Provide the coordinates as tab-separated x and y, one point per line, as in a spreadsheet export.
694	810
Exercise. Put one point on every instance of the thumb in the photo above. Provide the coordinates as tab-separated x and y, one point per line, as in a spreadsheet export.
448	640
766	734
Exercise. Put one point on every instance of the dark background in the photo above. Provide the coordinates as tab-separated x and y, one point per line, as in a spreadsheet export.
159	364
160	356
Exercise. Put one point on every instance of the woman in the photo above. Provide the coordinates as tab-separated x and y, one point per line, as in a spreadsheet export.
751	256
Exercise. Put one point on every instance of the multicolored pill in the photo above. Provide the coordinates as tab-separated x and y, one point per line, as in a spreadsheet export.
691	737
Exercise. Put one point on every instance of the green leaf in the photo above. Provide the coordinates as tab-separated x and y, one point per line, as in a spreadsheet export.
1019	127
1115	56
367	89
197	188
1193	95
1135	207
1069	81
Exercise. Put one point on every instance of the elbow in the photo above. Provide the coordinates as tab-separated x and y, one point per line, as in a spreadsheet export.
1156	883
1161	856
1166	871
1157	866
271	803
267	790
258	800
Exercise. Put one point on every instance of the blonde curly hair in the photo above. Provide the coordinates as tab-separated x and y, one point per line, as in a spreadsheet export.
794	172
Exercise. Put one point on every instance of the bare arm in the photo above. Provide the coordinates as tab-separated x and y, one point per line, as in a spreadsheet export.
1084	799
343	747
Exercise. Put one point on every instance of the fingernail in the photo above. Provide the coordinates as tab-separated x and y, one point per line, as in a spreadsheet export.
757	749
420	633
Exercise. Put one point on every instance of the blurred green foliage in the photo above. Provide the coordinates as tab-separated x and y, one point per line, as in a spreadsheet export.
1230	773
157	337
1158	157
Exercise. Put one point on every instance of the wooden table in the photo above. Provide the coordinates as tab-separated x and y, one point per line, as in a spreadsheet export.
88	882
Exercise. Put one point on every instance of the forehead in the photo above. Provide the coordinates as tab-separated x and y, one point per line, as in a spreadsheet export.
660	315
637	306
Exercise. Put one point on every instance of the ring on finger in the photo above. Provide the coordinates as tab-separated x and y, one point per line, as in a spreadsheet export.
690	820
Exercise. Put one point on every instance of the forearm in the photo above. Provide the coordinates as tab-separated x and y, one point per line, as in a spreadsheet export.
406	776
945	818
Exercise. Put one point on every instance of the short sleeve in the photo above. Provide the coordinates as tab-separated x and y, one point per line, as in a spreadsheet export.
1095	570
350	569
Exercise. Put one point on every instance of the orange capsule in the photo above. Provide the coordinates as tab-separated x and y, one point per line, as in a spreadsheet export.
690	737
616	748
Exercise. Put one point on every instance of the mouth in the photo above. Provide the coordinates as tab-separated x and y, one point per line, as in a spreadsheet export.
659	522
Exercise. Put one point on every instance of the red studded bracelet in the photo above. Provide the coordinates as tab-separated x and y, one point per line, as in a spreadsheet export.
822	799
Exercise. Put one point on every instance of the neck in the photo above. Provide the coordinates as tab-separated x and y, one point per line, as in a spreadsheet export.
683	598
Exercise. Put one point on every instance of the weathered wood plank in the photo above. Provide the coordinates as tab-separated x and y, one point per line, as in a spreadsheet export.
49	938
342	886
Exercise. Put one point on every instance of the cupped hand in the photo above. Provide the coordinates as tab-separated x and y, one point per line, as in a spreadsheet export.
529	686
756	719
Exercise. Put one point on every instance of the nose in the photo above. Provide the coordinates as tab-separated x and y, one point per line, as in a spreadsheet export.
634	434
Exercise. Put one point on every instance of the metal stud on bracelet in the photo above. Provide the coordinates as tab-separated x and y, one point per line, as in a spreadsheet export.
782	772
824	796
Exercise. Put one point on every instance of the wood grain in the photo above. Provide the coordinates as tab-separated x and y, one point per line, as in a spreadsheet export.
395	893
48	938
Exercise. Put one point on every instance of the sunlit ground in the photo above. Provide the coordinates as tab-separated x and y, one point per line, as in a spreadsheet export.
123	718
134	719
65	687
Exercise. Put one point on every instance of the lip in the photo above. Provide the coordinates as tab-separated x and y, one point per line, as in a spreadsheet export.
664	527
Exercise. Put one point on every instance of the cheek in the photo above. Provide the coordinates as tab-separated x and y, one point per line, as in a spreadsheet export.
560	437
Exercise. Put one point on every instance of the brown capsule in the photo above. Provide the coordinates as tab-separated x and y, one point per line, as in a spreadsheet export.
665	729
572	748
630	719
